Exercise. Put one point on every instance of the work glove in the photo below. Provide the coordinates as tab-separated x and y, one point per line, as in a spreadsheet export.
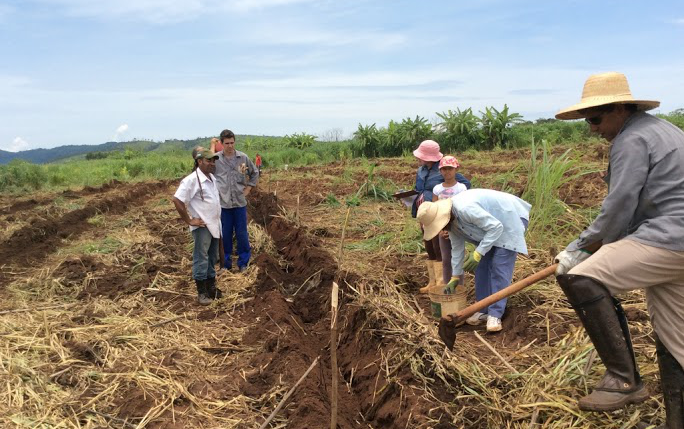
451	286
568	259
473	260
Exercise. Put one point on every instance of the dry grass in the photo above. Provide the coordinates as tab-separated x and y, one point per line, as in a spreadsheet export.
549	377
152	356
79	366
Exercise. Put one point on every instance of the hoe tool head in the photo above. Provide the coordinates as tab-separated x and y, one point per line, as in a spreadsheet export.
447	331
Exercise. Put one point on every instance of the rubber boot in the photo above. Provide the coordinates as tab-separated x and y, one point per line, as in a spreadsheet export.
202	298
437	267
431	274
212	291
672	383
606	324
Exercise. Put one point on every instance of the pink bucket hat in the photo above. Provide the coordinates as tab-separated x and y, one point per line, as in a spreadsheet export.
449	161
428	151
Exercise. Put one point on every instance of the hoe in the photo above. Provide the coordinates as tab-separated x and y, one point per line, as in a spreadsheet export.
448	323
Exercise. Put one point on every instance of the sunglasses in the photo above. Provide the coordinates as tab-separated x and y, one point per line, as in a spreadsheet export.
596	120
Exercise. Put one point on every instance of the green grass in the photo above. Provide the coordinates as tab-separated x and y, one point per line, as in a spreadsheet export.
373	244
550	218
103	247
23	177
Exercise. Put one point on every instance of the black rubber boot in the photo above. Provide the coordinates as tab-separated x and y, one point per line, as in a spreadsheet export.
606	324
202	297
672	383
212	291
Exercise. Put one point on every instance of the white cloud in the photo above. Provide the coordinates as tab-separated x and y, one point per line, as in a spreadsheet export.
17	145
120	131
288	35
247	5
161	11
8	82
679	21
314	101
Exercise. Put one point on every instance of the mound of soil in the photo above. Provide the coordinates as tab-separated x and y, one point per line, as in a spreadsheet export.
74	270
293	329
32	242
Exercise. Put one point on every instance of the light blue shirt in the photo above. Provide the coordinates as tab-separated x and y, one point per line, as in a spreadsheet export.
487	218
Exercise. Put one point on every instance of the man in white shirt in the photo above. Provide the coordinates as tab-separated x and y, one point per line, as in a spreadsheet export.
199	195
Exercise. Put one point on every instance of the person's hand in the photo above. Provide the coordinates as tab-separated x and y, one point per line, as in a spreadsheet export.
451	286
444	234
247	190
195	221
473	260
568	259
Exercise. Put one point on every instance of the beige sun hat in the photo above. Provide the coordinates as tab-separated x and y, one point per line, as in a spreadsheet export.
601	89
434	217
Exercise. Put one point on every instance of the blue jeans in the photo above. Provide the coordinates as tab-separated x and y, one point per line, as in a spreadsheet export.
493	273
205	254
235	221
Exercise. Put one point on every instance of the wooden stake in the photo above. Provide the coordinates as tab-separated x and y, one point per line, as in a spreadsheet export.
333	327
340	252
333	355
289	393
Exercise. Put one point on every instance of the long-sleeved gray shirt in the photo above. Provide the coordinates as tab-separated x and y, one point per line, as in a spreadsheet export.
645	200
231	182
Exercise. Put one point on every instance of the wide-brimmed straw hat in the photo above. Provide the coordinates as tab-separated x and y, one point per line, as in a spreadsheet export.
434	217
601	89
428	151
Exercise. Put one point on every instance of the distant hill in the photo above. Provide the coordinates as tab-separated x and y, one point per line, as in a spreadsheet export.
42	156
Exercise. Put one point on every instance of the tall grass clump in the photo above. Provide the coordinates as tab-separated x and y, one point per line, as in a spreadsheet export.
550	217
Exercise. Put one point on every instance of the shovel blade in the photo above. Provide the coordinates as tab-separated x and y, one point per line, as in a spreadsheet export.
447	332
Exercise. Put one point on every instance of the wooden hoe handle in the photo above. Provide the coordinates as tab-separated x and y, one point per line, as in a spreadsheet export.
503	293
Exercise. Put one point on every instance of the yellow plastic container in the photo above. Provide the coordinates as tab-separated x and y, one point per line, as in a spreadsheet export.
442	304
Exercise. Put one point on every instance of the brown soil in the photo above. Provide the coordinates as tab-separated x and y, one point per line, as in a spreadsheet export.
43	236
32	202
294	329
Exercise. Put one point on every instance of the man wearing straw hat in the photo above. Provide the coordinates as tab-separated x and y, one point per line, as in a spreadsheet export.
198	194
637	241
494	221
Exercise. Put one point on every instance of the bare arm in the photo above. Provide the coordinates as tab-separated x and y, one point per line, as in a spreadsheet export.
183	212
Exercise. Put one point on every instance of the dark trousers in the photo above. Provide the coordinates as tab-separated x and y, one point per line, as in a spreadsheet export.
234	221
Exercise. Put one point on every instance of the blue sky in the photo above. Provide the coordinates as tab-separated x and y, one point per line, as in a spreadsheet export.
91	71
